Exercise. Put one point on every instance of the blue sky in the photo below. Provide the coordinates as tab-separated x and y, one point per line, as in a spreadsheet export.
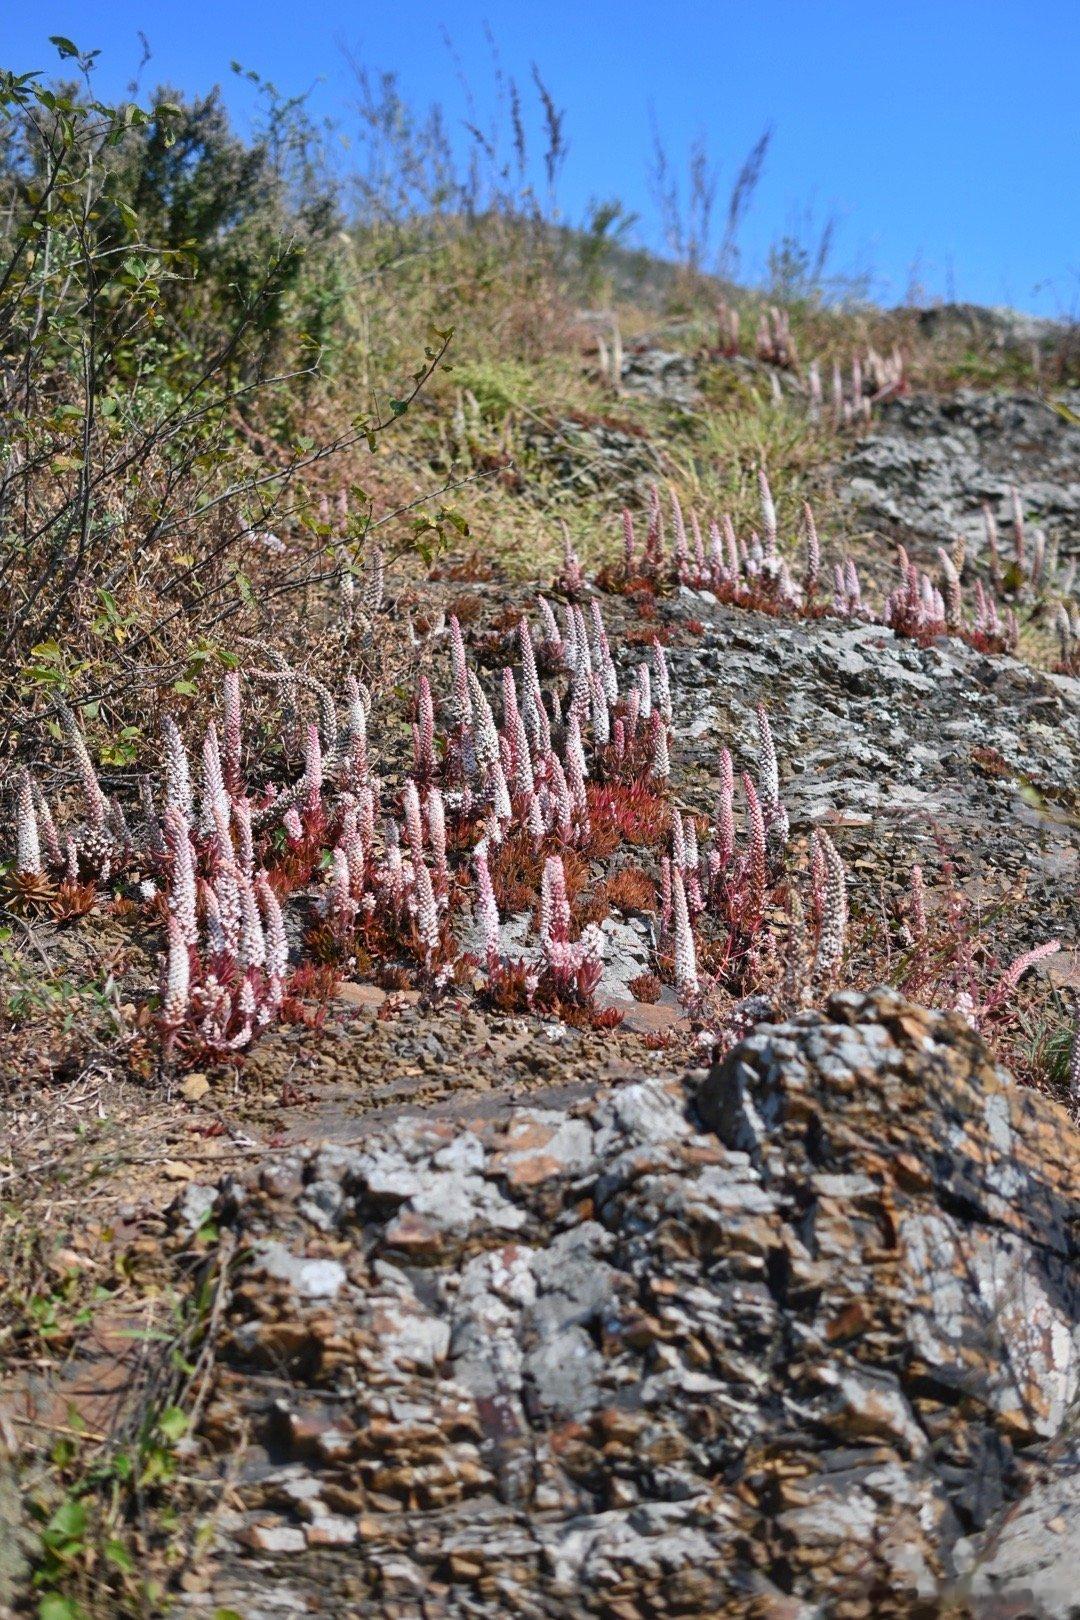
944	137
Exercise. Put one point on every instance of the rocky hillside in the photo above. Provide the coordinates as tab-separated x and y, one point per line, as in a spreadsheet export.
680	1213
796	1335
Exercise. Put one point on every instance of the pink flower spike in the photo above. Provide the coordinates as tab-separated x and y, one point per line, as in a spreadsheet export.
509	700
699	547
242	818
758	873
725	810
1017	507
686	977
436	820
94	799
427	914
213	780
461	708
575	748
679	545
50	838
654	538
532	702
534	819
524	773
414	831
485	734
501	807
662	679
813	552
776	820
182	888
564	814
251	951
734	561
313	773
177	769
27	844
356	733
424	732
354	856
768	513
579	797
554	906
487	909
551	632
601	714
176	986
716	553
678	842
227	893
1016	970
365	817
233	734
660	759
277	944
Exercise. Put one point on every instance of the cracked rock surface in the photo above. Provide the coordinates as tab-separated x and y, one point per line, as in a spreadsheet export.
796	1336
903	752
931	463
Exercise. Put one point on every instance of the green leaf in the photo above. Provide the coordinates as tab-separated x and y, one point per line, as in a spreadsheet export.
64	46
119	1557
55	1607
68	1523
173	1423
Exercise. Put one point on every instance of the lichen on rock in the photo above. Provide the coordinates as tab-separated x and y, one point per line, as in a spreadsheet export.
798	1335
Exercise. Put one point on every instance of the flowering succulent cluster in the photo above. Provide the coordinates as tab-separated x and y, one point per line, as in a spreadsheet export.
870	378
920	609
719	896
224	972
51	870
512	792
953	964
572	764
755	574
749	573
1067	630
478	867
773	341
